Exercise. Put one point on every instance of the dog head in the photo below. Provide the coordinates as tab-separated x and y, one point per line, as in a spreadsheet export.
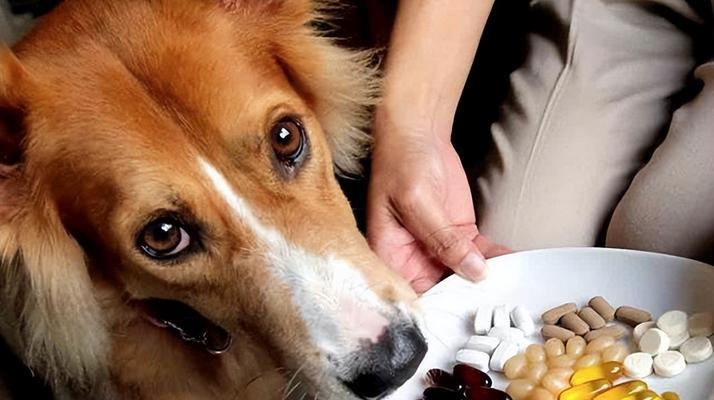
182	155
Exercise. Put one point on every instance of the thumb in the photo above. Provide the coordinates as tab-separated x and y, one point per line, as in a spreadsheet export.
448	243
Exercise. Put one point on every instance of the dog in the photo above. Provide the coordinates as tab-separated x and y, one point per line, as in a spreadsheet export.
171	226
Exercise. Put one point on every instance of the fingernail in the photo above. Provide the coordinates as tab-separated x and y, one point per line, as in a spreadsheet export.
473	267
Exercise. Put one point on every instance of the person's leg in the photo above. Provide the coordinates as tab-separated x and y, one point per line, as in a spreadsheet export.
669	206
584	113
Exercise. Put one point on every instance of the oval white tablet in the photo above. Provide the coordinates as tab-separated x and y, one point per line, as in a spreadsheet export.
486	344
640	330
522	320
501	317
503	353
696	349
482	320
507	334
654	342
473	358
669	364
673	322
700	324
638	365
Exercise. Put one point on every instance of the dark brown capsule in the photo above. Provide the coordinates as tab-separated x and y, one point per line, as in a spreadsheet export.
439	377
442	393
471	377
486	393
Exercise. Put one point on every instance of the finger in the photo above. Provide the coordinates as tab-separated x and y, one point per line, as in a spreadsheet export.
490	249
425	219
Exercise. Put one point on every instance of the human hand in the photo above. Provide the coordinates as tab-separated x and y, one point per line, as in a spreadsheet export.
420	213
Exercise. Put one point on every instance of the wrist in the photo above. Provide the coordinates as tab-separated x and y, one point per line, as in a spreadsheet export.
400	117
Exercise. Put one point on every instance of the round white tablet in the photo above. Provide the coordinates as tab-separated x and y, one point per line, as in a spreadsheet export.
654	341
669	364
700	324
673	322
501	317
486	344
503	353
522	320
507	333
482	320
640	330
473	358
696	349
638	365
676	341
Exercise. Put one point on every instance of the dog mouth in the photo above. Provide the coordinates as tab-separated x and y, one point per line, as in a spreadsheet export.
187	324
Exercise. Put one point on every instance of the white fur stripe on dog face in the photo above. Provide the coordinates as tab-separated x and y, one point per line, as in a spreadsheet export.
332	296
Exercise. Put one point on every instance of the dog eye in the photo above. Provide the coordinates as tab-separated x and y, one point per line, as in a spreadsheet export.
287	137
164	238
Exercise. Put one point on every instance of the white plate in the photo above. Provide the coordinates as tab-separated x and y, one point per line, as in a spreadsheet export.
543	279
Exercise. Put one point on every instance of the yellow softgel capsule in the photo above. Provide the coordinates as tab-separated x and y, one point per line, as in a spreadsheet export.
646	395
586	391
622	390
670	396
610	370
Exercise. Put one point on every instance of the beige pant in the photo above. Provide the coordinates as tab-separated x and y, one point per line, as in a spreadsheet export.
592	146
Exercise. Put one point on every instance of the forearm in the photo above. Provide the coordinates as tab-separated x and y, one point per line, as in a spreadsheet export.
431	51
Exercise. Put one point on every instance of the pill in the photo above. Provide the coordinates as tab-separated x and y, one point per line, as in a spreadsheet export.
503	353
487	344
615	331
472	377
501	317
552	316
640	330
673	322
536	372
587	360
522	320
564	373
507	333
520	389
554	383
599	344
554	347
586	391
482	320
515	367
696	349
575	324
473	358
535	353
575	346
638	365
591	317
670	396
602	307
616	352
644	395
700	324
654	342
609	370
440	393
483	393
632	316
540	393
562	361
669	364
677	340
618	392
555	331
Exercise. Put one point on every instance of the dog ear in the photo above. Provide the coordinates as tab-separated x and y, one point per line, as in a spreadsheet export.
49	313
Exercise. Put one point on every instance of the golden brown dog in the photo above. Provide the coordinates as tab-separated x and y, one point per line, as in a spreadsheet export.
170	223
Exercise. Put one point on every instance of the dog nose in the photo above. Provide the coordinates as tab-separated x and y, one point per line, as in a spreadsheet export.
388	363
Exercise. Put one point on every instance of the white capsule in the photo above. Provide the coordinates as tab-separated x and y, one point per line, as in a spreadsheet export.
654	342
676	341
638	365
473	358
669	364
500	316
507	334
696	349
673	322
486	344
503	353
640	330
482	320
700	324
522	320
